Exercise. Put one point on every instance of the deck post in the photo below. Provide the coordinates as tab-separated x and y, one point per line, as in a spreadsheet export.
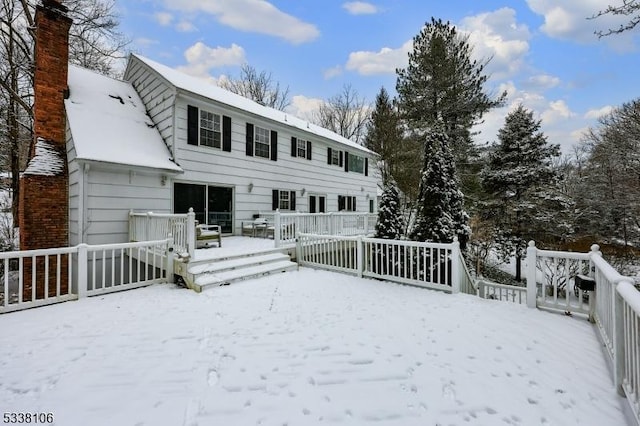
191	232
532	289
455	266
170	254
298	249
595	251
359	255
618	339
277	229
82	270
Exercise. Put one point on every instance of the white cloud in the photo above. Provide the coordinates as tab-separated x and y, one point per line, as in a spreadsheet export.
494	35
163	18
567	20
257	16
556	111
144	42
202	58
185	26
594	114
304	107
497	35
384	61
360	8
332	72
542	82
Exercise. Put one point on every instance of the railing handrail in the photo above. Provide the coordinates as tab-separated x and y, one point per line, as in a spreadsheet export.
38	252
412	243
502	286
132	244
563	254
159	215
630	294
326	237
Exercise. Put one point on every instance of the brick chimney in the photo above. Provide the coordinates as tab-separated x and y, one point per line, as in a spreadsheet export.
44	186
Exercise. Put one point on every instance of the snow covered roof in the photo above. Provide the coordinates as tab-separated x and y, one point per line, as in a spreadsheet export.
109	123
211	91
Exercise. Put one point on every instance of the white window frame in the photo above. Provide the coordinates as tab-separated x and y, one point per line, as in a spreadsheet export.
284	200
210	122
262	142
335	157
301	148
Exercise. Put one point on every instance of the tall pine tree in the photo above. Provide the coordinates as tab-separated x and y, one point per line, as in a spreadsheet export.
443	84
384	135
440	212
519	178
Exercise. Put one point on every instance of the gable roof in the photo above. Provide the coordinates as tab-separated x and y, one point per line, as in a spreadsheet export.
201	87
109	123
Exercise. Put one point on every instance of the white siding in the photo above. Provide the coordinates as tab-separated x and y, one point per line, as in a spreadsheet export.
74	191
157	96
216	167
110	196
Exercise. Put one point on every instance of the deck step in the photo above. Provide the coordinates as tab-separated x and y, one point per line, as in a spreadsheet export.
219	266
209	279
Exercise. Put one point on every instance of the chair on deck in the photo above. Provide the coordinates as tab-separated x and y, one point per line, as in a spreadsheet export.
208	233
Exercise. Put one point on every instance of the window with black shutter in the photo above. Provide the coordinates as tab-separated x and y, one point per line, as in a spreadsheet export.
192	125
249	145
274	145
226	133
294	146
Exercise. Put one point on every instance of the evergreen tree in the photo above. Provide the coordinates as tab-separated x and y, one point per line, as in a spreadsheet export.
440	214
384	136
443	84
390	223
521	181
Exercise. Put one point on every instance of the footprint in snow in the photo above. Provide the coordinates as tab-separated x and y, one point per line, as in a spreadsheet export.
212	377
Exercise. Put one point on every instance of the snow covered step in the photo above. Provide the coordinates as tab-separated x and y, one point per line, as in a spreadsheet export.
219	266
208	280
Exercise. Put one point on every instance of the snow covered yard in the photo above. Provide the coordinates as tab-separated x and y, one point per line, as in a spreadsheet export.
301	348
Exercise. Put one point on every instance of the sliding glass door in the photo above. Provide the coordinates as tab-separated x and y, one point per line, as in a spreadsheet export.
212	205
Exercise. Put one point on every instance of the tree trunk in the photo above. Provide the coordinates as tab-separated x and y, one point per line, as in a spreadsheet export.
518	268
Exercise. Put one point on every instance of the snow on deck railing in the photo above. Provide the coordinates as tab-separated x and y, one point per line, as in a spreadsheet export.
551	280
42	277
627	343
287	225
150	226
510	293
614	306
421	264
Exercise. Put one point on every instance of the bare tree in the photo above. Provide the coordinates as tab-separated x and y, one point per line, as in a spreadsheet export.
95	43
346	113
259	87
629	8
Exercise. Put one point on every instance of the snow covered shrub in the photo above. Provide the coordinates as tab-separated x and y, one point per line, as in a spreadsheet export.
390	223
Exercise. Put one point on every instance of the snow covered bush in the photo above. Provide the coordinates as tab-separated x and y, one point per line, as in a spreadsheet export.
440	214
390	224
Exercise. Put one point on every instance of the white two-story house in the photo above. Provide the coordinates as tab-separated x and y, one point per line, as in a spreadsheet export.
163	141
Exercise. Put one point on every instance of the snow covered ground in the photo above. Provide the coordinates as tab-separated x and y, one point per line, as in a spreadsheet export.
303	348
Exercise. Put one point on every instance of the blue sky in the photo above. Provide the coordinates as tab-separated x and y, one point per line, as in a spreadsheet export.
544	51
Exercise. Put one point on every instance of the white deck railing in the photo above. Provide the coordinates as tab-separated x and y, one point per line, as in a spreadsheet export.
614	306
63	274
551	280
421	264
149	226
287	225
510	293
